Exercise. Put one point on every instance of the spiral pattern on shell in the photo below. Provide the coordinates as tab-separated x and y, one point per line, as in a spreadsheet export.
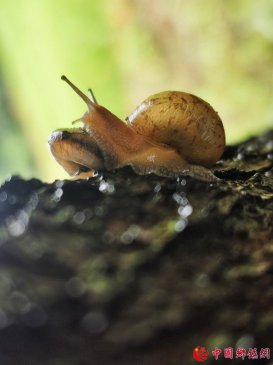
184	122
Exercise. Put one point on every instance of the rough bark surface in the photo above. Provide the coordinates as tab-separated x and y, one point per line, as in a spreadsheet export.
129	269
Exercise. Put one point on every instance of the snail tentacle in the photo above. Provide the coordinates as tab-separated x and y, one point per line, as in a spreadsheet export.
170	134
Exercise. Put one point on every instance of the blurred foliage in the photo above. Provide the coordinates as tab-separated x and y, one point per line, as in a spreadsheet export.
126	50
11	132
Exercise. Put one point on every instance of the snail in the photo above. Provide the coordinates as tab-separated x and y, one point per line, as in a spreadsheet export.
170	134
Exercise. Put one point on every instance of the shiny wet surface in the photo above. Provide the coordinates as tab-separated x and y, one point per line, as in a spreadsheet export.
125	260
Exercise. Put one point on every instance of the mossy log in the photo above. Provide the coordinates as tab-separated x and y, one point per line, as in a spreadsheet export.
129	269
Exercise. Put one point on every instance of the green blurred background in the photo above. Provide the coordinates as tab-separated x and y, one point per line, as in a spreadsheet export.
126	50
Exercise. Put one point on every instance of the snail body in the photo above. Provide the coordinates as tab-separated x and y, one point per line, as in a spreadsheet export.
171	133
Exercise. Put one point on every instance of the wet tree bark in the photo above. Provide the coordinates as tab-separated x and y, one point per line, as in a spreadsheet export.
128	269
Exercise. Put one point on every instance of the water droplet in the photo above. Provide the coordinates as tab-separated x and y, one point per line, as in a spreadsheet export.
99	210
12	199
5	284
79	218
268	147
130	234
185	211
75	287
35	317
34	250
4	235
88	213
245	341
269	173
239	157
3	319
23	217
59	183
108	237
126	237
3	196
157	188
251	148
15	226
178	198
94	322
180	225
19	302
202	280
106	187
58	193
33	202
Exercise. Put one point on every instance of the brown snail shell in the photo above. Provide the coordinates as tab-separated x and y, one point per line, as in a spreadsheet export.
184	122
171	133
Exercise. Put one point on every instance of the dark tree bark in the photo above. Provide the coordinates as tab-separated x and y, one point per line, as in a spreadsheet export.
128	269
